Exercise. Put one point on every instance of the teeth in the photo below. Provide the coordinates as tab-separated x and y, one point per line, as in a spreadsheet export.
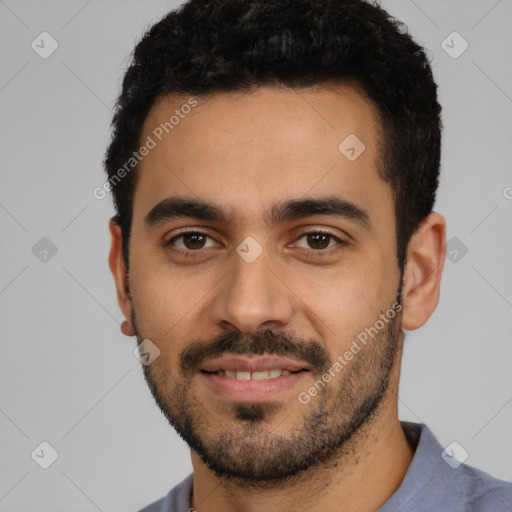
261	375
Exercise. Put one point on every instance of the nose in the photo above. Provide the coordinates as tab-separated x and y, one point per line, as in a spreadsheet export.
253	297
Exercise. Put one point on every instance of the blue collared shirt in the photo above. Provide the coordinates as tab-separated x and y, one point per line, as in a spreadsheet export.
432	483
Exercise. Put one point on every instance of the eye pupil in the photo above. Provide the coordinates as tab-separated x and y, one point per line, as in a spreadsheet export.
324	237
194	236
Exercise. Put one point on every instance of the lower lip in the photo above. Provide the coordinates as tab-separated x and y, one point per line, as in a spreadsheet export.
251	390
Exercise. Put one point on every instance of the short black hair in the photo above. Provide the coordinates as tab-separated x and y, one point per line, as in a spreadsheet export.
209	46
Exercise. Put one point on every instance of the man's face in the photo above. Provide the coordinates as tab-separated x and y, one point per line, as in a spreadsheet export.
252	284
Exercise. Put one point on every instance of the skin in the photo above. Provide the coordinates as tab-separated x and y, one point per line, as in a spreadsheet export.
244	152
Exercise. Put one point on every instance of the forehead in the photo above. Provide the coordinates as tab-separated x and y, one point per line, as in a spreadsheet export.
249	150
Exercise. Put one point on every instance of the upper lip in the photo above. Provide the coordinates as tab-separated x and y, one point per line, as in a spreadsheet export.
253	364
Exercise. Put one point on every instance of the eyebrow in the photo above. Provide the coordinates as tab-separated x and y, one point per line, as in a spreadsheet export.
332	206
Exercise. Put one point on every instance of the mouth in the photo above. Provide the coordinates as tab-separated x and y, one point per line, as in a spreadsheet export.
243	375
240	364
254	379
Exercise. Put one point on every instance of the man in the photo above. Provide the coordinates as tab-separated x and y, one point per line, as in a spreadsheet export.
274	166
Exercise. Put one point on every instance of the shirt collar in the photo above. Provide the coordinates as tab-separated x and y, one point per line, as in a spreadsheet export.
429	483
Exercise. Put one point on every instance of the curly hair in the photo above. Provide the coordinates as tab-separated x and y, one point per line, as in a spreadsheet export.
209	46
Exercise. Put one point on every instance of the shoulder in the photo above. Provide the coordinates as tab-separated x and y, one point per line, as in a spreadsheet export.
485	493
176	500
436	480
156	506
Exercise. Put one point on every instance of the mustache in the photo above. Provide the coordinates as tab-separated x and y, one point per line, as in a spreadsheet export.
266	342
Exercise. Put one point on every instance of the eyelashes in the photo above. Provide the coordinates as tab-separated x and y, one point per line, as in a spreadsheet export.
195	235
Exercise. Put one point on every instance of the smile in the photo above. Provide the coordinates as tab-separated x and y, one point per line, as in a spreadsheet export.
256	375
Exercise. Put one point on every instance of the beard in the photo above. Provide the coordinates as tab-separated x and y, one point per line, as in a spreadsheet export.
250	449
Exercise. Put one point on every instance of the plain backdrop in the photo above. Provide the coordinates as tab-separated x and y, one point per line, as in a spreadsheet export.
69	377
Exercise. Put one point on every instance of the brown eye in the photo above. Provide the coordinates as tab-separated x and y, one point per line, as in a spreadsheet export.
191	241
319	241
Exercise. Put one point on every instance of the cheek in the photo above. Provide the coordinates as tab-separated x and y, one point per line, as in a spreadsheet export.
334	303
163	312
357	286
165	298
348	301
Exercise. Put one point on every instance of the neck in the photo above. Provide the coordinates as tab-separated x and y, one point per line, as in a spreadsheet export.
361	478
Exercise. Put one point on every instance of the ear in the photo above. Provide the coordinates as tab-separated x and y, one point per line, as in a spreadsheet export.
118	268
422	274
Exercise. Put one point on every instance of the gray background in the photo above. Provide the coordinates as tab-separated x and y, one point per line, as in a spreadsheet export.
69	377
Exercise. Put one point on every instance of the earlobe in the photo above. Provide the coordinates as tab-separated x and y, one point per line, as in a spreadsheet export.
127	328
422	275
118	269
